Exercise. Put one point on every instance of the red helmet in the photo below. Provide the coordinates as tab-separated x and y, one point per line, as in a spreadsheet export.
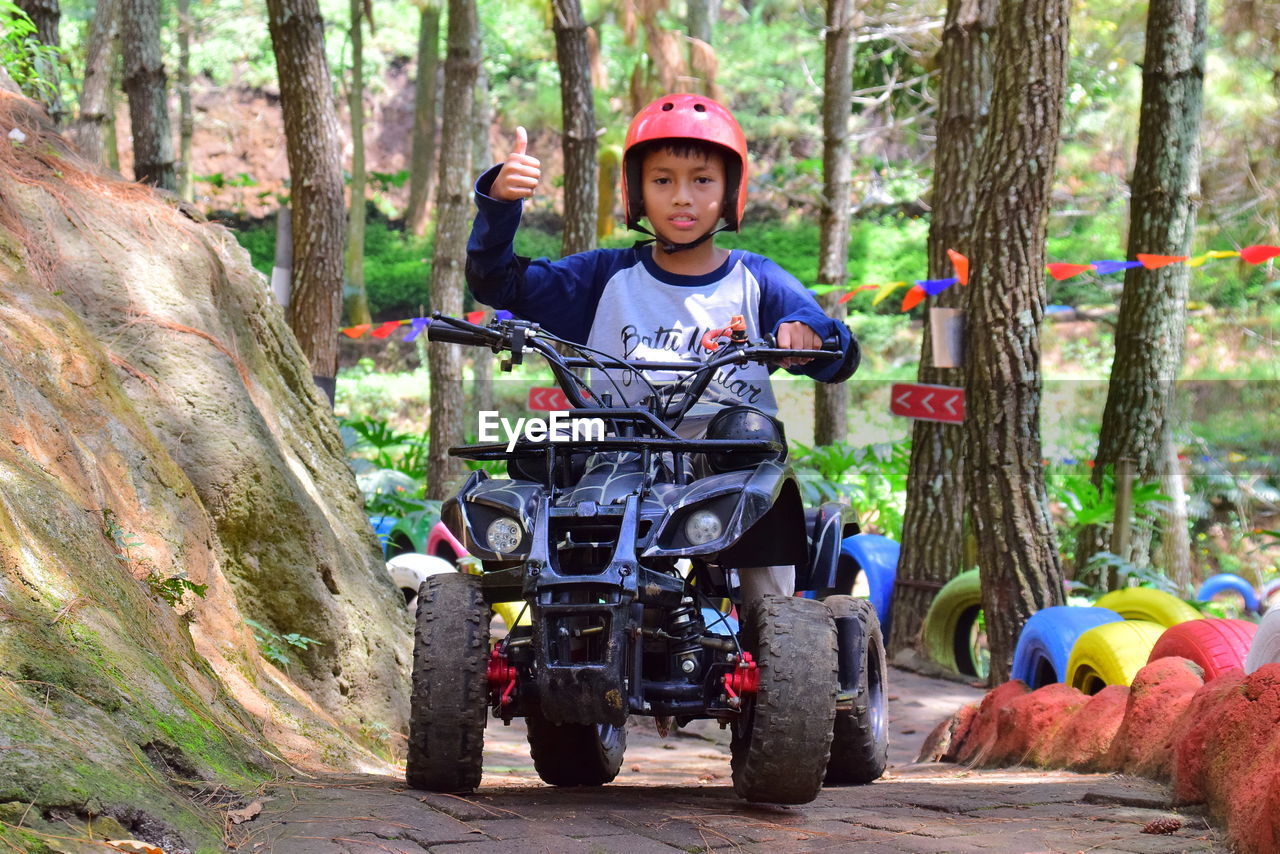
686	117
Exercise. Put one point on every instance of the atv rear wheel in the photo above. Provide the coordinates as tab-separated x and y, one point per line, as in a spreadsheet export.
450	685
782	740
860	744
575	754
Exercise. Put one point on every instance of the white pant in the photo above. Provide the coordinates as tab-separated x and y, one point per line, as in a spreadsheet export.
760	581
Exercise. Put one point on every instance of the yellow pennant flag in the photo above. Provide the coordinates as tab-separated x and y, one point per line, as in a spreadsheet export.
885	290
1198	261
1223	253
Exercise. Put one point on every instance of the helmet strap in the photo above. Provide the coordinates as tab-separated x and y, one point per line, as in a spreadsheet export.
672	248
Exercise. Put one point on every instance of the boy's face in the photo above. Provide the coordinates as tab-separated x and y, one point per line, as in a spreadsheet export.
682	195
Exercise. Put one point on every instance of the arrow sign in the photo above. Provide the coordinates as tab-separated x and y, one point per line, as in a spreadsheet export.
548	399
927	402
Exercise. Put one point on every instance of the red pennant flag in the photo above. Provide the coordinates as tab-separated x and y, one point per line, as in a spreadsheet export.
1066	271
476	317
913	298
356	331
961	264
386	329
1155	262
1258	254
857	290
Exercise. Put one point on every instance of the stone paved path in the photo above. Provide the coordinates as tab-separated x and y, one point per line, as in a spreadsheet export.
674	794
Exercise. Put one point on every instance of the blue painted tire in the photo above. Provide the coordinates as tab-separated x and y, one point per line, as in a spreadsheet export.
1044	646
1228	582
877	559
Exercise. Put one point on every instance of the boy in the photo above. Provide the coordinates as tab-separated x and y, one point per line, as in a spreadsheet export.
684	169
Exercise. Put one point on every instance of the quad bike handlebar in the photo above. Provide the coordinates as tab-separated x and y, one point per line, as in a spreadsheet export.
515	336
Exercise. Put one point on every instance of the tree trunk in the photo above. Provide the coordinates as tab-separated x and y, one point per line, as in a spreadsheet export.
933	526
45	14
1017	553
186	122
1152	321
88	129
355	300
831	401
315	167
579	118
144	83
700	19
462	62
422	162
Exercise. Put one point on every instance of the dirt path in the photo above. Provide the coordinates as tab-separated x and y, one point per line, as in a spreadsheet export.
674	794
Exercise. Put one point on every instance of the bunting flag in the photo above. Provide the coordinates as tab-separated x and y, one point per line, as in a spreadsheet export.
933	287
913	297
356	331
961	265
859	289
1258	254
476	317
384	330
885	290
1155	262
1062	271
420	325
1106	268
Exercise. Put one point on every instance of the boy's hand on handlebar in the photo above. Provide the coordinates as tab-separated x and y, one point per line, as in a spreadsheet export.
797	336
519	175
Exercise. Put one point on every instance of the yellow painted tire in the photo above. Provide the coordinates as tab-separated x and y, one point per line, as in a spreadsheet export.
1144	603
1111	654
509	611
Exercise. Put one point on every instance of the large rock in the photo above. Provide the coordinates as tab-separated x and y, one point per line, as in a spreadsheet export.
161	422
1160	692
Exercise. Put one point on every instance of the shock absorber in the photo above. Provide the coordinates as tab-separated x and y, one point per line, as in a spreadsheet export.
685	627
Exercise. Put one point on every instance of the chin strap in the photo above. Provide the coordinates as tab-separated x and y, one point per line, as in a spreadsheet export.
672	248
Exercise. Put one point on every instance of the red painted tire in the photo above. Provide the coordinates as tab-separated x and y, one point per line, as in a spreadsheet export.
1216	645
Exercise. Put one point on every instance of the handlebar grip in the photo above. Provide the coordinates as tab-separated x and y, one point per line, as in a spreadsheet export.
447	334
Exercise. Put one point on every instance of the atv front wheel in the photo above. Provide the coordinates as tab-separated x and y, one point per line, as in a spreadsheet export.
575	754
860	745
782	740
450	685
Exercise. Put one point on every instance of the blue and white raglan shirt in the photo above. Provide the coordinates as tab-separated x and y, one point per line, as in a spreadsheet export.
620	302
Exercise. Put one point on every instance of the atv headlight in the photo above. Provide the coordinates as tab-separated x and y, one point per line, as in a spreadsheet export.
702	527
503	535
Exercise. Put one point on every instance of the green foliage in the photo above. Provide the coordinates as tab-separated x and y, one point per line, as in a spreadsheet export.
1084	504
278	648
168	588
870	478
23	55
172	588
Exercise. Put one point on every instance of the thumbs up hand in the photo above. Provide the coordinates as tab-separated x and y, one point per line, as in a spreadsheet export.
519	175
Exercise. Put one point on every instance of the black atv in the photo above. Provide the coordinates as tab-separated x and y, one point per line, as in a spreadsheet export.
624	545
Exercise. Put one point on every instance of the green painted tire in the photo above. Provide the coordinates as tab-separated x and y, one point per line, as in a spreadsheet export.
1145	603
949	625
1111	654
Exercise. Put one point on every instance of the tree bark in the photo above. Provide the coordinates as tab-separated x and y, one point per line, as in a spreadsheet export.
186	122
422	160
1017	553
89	127
454	203
700	19
831	401
315	167
933	527
355	300
1152	321
577	108
144	83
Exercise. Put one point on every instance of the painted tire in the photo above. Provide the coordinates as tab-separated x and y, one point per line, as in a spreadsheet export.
1228	582
408	571
950	621
1265	648
1111	654
1145	603
1270	591
877	560
1216	645
1045	643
